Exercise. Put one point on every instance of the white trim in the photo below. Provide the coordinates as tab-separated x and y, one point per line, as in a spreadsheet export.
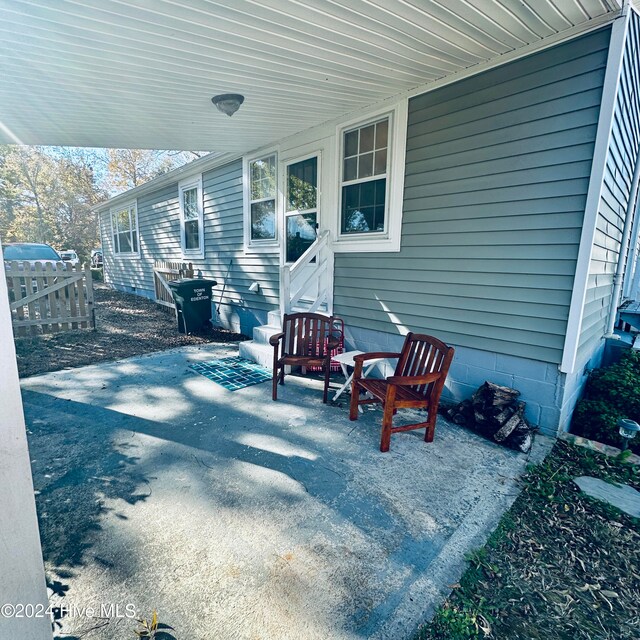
258	246
185	185
121	207
596	182
390	239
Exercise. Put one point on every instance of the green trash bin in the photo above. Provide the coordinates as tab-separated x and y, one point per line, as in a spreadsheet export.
193	303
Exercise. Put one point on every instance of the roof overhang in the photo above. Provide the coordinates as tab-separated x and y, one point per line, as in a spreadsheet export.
141	73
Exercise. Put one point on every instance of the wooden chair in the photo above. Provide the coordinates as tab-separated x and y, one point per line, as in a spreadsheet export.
306	340
417	383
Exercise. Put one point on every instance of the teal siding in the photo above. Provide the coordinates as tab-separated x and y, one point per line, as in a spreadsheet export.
222	190
159	226
621	155
497	172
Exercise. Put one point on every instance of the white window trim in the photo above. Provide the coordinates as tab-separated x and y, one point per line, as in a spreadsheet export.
259	246
389	240
125	205
185	185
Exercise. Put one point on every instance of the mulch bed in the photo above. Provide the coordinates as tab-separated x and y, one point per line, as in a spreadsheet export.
127	325
560	565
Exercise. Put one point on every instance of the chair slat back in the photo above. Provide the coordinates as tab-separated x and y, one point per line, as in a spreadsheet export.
306	334
422	354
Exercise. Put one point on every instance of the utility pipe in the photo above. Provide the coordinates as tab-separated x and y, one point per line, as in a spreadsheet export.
631	280
624	247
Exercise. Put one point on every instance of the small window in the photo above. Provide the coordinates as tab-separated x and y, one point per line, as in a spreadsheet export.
364	181
261	191
191	217
124	226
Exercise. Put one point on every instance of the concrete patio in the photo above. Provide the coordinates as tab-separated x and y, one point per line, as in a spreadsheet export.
237	517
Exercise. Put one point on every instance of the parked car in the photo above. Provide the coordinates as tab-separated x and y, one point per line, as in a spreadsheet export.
96	258
70	256
30	252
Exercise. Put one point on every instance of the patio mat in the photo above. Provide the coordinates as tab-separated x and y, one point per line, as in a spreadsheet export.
232	373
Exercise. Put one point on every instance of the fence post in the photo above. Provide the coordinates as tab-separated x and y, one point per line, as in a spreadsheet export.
90	305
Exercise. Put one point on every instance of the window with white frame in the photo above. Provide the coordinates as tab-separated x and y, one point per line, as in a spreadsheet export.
124	228
364	182
260	197
191	217
370	173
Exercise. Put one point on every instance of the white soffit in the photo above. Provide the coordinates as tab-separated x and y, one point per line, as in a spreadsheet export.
141	73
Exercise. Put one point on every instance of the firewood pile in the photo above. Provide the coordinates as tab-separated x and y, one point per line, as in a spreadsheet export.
496	413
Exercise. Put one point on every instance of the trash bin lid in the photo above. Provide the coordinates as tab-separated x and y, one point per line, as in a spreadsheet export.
191	282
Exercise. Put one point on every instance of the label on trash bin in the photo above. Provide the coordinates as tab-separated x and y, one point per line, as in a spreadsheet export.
201	294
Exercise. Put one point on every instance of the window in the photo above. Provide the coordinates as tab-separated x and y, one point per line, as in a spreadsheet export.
364	178
124	226
301	210
191	217
260	202
369	170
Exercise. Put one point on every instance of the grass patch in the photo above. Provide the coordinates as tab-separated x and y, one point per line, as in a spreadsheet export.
559	566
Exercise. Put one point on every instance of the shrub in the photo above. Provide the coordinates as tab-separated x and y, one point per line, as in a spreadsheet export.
97	275
611	393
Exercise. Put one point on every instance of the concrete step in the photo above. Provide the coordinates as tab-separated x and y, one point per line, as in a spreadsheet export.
274	319
260	353
262	334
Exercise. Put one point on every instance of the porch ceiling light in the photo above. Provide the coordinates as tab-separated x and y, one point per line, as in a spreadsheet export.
228	103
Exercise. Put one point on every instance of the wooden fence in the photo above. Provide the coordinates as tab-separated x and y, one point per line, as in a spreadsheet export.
164	272
49	298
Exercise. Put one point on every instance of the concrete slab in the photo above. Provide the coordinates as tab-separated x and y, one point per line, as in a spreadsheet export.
237	517
622	496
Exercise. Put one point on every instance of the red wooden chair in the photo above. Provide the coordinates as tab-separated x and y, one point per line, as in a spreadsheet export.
306	340
417	383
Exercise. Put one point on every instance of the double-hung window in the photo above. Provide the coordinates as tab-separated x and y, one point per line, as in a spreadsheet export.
370	172
364	178
124	229
191	217
260	198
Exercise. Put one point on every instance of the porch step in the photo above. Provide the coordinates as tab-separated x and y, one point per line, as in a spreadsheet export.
260	353
274	319
262	334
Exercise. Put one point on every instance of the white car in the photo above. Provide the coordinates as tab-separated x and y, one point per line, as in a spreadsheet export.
70	256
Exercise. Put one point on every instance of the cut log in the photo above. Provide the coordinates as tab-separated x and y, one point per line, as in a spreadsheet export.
495	412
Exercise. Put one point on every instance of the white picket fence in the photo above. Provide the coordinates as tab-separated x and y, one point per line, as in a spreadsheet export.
49	298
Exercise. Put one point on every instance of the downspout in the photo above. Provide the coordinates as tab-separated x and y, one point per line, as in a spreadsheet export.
624	247
631	279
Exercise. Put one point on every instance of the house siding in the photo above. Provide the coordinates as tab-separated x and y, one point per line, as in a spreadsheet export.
159	227
620	162
497	172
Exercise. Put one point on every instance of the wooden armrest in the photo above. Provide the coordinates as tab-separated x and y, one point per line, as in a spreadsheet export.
273	340
409	381
375	354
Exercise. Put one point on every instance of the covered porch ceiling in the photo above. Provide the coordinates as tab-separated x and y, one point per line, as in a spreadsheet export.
141	73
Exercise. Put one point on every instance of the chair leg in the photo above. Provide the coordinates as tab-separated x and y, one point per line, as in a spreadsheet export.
353	406
275	384
431	427
387	419
327	372
282	375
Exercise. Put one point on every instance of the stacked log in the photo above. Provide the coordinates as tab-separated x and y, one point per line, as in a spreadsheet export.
496	413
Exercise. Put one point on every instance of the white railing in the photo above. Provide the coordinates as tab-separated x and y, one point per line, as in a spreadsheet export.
307	285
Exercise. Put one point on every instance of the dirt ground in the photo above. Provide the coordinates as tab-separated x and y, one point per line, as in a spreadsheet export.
127	325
